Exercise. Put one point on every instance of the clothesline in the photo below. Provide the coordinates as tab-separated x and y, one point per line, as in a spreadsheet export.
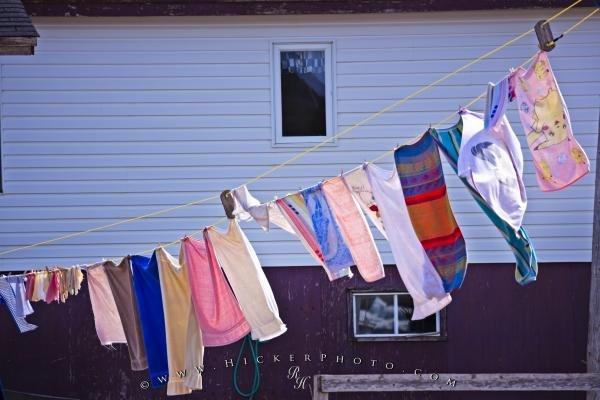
315	147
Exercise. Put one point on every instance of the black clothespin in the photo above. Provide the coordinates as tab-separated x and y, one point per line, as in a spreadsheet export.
228	203
545	37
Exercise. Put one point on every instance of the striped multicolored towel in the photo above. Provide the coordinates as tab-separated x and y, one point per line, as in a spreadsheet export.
420	171
448	141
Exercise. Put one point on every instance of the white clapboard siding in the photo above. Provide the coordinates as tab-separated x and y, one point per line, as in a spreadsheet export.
114	118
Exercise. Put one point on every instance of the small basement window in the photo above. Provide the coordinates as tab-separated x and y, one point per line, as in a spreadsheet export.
387	316
302	92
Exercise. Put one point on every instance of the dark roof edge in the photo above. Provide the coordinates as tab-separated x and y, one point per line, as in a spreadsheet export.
148	8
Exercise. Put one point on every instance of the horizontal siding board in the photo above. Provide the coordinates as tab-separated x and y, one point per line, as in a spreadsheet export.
115	118
498	65
120	109
137	96
170	83
134	70
155	57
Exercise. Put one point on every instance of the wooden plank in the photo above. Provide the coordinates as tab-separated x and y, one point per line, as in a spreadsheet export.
463	382
16	50
317	393
593	348
18	41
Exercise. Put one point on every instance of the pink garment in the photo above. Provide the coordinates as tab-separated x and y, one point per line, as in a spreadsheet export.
53	292
106	316
30	286
217	311
354	229
558	158
302	230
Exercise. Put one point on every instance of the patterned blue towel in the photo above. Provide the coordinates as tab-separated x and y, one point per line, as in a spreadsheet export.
336	254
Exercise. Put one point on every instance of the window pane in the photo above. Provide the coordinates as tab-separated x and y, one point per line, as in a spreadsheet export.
374	314
303	93
405	311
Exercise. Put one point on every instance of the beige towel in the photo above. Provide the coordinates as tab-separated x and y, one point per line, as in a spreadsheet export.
185	351
250	285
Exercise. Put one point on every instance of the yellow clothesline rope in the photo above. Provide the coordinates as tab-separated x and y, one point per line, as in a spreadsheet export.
305	152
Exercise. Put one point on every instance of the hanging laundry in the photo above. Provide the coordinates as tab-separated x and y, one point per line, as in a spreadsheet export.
422	180
294	209
146	284
185	350
492	161
267	215
235	255
498	96
76	280
120	280
359	185
64	287
417	272
449	141
41	285
558	158
30	285
7	296
106	316
53	291
336	254
22	304
218	313
354	229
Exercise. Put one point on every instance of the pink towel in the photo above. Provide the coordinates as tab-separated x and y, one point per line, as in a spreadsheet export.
217	311
53	292
558	158
106	316
354	229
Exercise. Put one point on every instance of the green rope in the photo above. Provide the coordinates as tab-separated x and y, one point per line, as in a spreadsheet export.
253	344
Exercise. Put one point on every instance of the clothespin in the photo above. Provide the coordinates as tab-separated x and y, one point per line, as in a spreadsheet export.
228	203
544	35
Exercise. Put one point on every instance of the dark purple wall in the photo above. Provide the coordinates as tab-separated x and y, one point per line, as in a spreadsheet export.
493	325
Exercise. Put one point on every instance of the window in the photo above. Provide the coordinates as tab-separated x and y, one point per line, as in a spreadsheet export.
302	93
387	316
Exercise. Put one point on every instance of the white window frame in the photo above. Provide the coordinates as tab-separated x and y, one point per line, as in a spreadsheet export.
391	336
277	120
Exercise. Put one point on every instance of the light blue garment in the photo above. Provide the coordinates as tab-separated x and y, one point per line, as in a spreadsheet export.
336	254
17	283
7	296
448	141
146	285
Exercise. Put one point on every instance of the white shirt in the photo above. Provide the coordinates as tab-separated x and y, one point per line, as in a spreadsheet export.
418	274
247	207
492	161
